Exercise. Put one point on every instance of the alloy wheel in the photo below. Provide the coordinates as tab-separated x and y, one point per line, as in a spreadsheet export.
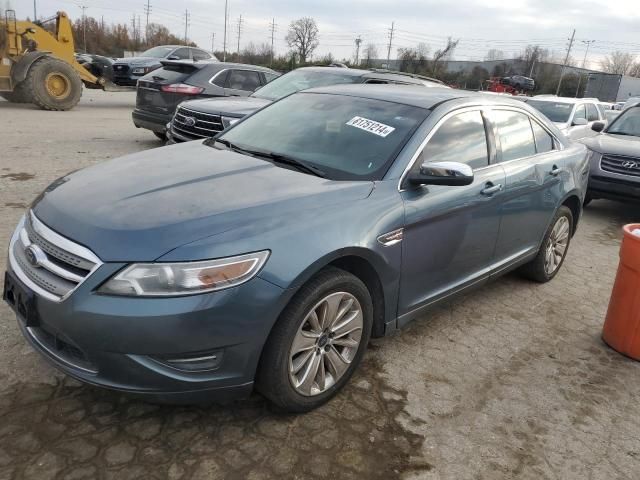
556	247
325	344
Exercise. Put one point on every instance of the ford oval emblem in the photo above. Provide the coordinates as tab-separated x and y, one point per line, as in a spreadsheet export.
35	256
189	121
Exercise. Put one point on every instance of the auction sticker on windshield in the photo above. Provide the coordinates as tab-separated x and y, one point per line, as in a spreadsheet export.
371	126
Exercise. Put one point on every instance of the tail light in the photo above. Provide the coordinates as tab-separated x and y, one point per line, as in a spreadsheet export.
182	88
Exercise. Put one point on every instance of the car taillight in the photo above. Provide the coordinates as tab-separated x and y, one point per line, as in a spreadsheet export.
182	88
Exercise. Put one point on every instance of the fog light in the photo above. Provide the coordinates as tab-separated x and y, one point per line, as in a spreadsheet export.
197	362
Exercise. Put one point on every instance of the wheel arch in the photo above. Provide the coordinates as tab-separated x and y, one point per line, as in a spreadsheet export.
572	201
21	68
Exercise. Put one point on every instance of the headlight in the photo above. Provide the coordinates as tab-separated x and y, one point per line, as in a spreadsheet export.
229	121
138	71
185	278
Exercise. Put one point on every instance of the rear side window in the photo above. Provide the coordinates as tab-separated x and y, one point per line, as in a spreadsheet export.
544	140
243	80
592	113
580	113
181	53
270	76
199	54
220	79
462	138
515	134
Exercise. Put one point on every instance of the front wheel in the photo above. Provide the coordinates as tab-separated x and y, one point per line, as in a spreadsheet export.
161	136
553	250
317	343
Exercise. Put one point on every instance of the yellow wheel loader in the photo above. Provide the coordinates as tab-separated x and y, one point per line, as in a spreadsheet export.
38	66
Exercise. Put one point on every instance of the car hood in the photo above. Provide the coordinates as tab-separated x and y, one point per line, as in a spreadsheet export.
141	206
612	144
137	61
234	107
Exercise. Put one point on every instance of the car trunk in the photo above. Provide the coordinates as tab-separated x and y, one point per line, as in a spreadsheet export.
150	96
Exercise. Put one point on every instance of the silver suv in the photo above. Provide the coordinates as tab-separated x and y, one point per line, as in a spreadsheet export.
573	116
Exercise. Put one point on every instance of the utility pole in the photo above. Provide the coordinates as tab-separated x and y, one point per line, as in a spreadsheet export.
390	42
584	62
226	19
84	27
134	32
566	60
273	31
239	32
358	42
139	30
35	13
186	26
147	11
213	37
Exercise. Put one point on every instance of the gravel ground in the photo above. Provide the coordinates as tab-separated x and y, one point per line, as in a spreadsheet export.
511	381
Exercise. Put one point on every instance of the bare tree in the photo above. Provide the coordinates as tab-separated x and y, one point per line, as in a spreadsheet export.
370	53
634	71
494	54
618	62
440	57
303	37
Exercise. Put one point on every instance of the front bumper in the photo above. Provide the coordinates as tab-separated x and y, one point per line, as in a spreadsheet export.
614	188
122	343
156	122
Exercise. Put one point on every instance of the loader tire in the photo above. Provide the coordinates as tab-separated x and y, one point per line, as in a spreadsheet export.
53	84
19	95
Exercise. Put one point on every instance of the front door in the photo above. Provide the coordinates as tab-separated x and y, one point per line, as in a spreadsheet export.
450	232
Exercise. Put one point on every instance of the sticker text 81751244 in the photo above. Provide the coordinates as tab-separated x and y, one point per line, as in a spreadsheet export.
371	126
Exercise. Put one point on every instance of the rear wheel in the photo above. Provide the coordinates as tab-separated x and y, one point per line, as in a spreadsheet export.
553	250
317	343
19	95
53	84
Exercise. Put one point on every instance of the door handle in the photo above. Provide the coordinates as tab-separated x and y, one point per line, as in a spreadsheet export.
555	171
490	189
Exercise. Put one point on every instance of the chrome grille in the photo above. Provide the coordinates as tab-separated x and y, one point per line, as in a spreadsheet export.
621	165
52	265
194	125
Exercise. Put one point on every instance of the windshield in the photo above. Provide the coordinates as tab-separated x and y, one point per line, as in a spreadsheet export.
627	123
555	111
345	137
158	52
301	80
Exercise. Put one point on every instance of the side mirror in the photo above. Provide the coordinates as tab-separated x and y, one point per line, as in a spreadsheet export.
597	126
580	122
443	173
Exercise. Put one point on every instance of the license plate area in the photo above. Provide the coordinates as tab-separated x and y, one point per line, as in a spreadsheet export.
21	300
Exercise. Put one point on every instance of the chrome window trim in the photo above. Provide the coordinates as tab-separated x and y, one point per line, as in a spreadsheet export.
216	76
59	241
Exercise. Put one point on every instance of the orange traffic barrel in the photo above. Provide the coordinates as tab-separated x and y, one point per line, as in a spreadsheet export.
622	326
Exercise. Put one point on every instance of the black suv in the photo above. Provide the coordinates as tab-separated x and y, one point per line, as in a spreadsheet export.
205	118
159	92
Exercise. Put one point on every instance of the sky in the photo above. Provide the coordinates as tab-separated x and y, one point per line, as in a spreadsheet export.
481	25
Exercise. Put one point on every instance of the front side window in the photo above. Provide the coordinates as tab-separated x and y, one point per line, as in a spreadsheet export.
581	112
461	138
200	54
347	138
157	52
515	134
592	113
243	80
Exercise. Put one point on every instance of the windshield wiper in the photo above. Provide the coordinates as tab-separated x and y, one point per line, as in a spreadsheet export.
276	158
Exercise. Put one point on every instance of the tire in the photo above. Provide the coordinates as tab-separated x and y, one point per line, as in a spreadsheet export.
587	200
275	377
538	269
161	136
53	84
19	95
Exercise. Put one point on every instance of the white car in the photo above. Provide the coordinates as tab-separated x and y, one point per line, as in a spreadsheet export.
573	116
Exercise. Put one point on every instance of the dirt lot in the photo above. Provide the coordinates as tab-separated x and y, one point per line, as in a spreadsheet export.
512	381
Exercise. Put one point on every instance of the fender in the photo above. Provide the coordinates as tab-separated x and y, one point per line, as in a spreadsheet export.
21	68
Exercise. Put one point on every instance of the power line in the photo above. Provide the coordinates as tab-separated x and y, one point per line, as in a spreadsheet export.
566	60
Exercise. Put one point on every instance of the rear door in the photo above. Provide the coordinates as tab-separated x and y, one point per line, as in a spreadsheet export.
150	96
242	83
534	168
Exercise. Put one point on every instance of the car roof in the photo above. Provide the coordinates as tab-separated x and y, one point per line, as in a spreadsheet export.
553	98
412	95
376	73
246	66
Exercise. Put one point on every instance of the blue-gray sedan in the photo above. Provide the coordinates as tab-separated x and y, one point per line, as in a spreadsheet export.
269	255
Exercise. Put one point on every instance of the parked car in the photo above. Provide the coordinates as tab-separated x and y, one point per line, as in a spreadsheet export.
573	116
273	252
127	71
631	102
160	92
199	119
520	82
610	115
614	156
